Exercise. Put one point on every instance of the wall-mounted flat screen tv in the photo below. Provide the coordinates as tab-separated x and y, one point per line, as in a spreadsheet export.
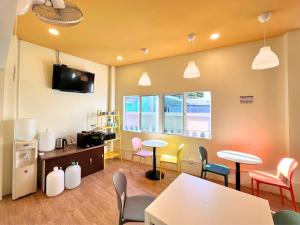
72	80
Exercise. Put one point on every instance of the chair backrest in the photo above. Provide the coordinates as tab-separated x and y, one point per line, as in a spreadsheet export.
136	144
204	156
286	217
179	152
120	184
285	169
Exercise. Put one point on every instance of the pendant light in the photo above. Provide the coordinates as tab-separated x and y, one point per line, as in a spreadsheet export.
266	58
191	71
144	79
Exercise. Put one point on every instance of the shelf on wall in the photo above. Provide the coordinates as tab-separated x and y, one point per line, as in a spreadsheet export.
108	127
112	154
106	115
116	139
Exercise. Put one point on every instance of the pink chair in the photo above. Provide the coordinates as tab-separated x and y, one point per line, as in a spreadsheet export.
137	150
283	178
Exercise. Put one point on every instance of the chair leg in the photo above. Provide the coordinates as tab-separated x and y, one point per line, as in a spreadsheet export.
293	198
161	169
252	189
132	161
281	196
201	173
226	180
205	175
257	189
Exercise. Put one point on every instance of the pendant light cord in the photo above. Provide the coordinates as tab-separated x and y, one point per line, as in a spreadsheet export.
264	34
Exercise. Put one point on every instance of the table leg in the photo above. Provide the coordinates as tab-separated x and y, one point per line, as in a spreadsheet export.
237	176
154	174
154	160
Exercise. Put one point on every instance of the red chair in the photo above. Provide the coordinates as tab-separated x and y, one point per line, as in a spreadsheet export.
283	179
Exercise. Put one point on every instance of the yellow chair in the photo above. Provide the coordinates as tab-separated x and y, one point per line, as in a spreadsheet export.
171	160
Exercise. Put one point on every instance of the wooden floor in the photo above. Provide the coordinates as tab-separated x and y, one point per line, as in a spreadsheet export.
93	202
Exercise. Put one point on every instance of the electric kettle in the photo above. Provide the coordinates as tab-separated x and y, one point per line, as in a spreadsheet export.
60	143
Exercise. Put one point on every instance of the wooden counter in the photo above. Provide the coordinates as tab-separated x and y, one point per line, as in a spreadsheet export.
90	159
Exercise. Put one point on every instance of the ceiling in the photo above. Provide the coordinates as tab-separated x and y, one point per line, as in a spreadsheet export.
123	27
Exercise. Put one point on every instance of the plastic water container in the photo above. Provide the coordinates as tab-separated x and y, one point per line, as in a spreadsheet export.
55	182
25	129
46	141
73	176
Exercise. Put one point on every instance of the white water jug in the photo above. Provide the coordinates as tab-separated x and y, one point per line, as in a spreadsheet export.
25	129
46	141
55	182
73	176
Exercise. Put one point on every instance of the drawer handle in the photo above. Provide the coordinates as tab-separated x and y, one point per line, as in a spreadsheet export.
25	171
91	161
25	145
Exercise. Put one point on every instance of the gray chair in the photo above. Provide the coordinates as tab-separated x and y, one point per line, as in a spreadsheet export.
212	168
131	209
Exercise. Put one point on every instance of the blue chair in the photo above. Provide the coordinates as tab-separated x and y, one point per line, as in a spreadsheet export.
212	168
286	217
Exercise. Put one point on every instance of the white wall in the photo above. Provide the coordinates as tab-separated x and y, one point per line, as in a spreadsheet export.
2	73
65	113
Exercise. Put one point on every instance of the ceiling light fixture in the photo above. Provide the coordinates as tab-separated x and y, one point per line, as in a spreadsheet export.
144	79
145	50
266	58
120	58
191	37
191	71
53	31
214	36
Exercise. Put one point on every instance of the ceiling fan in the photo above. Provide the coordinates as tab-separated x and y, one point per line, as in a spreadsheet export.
57	12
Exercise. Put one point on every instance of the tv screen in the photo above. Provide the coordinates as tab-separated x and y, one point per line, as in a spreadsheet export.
72	80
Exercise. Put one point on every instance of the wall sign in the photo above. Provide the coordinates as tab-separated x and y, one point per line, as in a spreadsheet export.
246	99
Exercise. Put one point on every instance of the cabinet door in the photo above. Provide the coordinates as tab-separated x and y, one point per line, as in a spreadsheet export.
96	160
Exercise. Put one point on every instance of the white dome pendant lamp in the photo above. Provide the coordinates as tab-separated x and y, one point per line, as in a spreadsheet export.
266	58
144	79
192	70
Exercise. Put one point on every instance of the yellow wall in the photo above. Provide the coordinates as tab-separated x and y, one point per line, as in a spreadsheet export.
259	128
65	113
293	71
293	55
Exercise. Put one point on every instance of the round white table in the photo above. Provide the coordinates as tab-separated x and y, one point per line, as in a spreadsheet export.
238	158
154	174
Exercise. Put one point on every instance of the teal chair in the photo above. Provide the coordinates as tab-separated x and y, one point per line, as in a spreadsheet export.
286	217
212	168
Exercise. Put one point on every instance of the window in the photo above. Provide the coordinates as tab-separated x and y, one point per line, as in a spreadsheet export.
150	113
173	114
131	121
187	114
197	114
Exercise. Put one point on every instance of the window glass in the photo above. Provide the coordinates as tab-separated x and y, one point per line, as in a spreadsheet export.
173	114
131	121
197	120
150	113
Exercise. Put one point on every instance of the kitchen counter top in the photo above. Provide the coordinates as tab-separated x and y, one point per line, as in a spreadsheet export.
71	149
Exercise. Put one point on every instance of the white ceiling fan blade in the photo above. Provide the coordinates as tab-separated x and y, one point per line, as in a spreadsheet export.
58	4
